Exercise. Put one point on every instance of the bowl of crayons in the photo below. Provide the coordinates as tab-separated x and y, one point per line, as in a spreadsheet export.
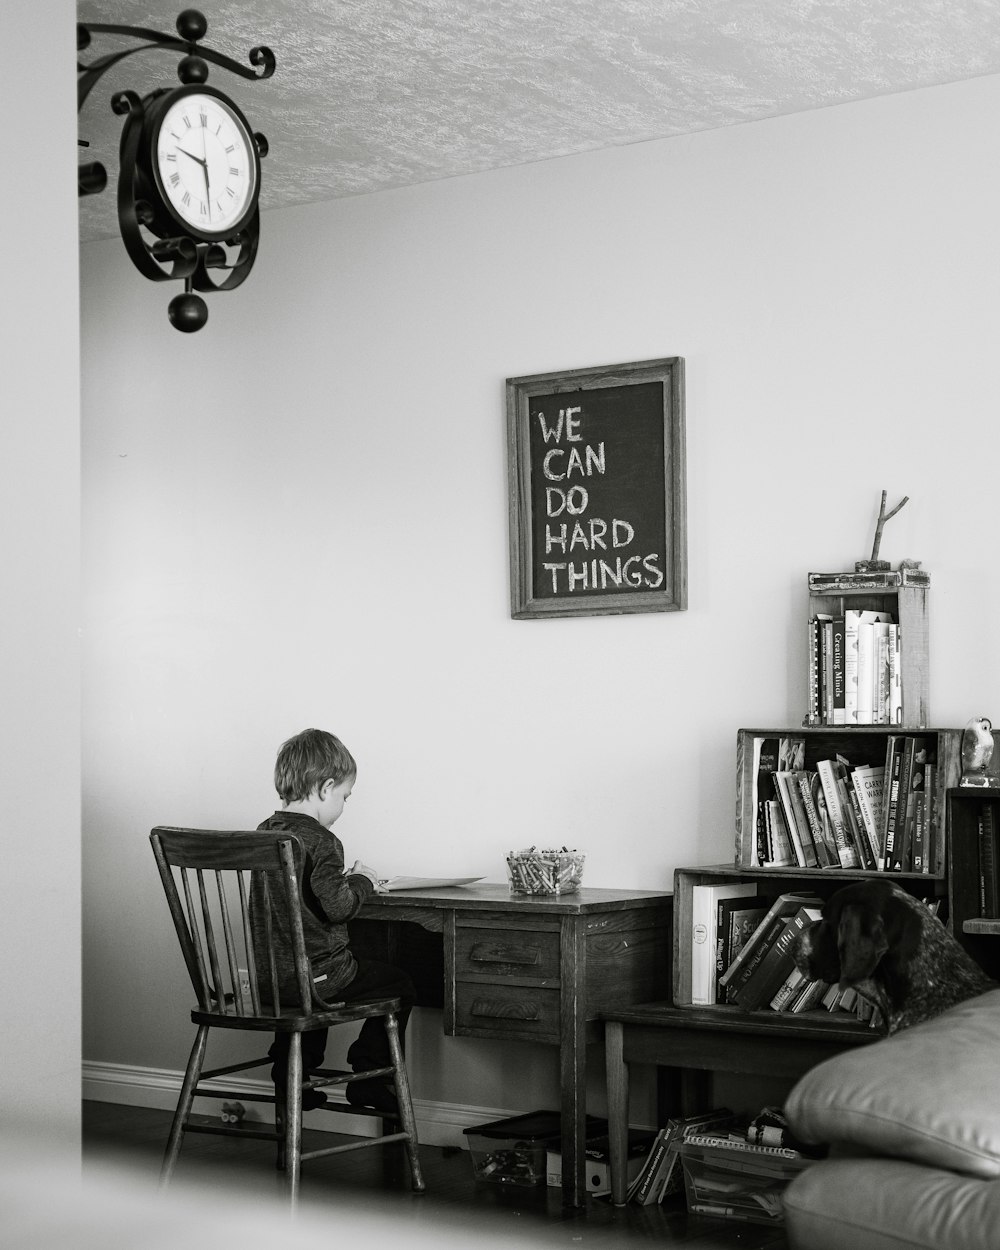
534	871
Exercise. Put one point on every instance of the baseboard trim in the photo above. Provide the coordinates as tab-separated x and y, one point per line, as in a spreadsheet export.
438	1123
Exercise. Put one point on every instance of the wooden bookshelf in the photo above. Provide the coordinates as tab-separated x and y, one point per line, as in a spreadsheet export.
907	603
977	932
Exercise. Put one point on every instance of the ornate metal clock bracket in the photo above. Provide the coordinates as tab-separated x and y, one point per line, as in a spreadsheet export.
173	255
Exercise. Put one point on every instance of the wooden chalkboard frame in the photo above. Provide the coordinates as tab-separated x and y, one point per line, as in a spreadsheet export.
672	595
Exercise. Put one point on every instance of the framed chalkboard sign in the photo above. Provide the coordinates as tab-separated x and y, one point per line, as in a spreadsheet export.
596	473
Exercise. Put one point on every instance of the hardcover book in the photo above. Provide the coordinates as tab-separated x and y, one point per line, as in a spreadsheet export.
704	919
777	961
738	918
755	948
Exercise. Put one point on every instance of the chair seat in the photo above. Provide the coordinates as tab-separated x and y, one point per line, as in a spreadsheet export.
296	1021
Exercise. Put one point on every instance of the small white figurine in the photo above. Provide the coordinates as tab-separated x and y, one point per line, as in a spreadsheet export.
977	751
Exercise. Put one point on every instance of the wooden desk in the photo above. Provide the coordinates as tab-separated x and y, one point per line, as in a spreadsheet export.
686	1040
537	969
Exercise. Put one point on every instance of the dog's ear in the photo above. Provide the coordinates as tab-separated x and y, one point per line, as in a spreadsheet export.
861	943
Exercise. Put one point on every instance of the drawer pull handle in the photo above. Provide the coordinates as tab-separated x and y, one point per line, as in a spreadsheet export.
504	1009
501	953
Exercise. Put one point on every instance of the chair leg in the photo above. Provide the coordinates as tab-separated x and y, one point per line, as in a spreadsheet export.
184	1103
280	1121
405	1104
293	1117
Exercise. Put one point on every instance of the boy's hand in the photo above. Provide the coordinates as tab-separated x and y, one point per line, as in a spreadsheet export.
362	870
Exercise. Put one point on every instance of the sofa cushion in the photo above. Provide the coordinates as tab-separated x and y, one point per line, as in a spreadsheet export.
887	1204
929	1093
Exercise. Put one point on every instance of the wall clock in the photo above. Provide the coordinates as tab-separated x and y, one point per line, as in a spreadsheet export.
189	176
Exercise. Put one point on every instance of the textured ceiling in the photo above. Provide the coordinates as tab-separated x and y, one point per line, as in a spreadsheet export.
371	94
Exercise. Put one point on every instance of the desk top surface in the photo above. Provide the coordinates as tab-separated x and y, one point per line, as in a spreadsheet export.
496	896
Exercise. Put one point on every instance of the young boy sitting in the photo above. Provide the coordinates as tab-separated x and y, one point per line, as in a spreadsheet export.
314	775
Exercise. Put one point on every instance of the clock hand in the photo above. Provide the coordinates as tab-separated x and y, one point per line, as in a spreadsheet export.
193	157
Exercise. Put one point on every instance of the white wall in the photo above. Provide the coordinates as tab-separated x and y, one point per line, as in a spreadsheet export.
39	559
299	515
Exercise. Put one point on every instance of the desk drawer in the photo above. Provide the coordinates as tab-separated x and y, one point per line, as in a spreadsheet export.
505	955
507	1011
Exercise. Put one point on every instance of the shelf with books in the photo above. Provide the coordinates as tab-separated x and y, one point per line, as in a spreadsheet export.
868	648
861	799
974	872
782	902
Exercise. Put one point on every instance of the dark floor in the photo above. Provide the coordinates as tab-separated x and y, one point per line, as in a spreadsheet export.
132	1138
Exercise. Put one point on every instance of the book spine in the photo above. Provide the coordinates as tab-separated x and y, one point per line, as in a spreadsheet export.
839	674
781	853
866	671
774	965
827	770
788	811
824	858
769	931
896	848
852	626
644	1181
930	817
895	677
791	986
919	843
802	820
894	758
858	833
869	786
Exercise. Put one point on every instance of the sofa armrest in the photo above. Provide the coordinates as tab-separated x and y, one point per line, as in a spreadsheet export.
887	1204
928	1094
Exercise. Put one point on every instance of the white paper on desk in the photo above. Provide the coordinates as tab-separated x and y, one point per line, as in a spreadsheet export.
424	883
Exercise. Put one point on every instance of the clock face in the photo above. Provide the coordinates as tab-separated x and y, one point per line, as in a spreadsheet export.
206	163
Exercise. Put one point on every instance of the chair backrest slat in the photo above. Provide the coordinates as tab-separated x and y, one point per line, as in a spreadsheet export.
258	874
217	989
272	965
203	985
301	959
248	945
227	932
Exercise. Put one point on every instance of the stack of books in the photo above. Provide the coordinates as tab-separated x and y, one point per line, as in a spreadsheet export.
854	669
763	974
661	1175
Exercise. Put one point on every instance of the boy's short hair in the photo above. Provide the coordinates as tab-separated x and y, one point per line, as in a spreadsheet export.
307	760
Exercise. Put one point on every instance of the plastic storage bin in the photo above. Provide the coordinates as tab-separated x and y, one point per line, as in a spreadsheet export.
737	1180
512	1151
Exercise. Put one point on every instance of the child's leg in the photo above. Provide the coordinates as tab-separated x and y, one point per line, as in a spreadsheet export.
313	1050
371	1047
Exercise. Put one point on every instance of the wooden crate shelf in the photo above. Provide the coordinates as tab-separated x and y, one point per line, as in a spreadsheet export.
861	744
907	605
770	883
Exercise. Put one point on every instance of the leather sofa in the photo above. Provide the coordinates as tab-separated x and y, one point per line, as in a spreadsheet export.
912	1123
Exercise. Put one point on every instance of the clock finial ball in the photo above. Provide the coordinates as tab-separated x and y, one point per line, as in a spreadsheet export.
187	313
191	25
192	69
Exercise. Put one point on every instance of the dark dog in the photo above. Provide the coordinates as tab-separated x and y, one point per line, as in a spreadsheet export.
892	950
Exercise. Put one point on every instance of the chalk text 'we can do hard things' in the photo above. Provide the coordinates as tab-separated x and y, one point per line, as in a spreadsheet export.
569	457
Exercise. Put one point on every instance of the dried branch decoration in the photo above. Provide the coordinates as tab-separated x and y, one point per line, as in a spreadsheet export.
884	516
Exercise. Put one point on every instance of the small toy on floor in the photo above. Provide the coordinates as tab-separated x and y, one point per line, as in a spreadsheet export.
233	1112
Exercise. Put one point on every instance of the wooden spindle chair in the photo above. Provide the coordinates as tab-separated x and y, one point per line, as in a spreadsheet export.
220	888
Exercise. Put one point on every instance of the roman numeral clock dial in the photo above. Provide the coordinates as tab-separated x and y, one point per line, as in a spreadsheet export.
189	166
205	163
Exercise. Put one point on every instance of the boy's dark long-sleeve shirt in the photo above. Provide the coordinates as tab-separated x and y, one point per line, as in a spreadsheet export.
329	900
